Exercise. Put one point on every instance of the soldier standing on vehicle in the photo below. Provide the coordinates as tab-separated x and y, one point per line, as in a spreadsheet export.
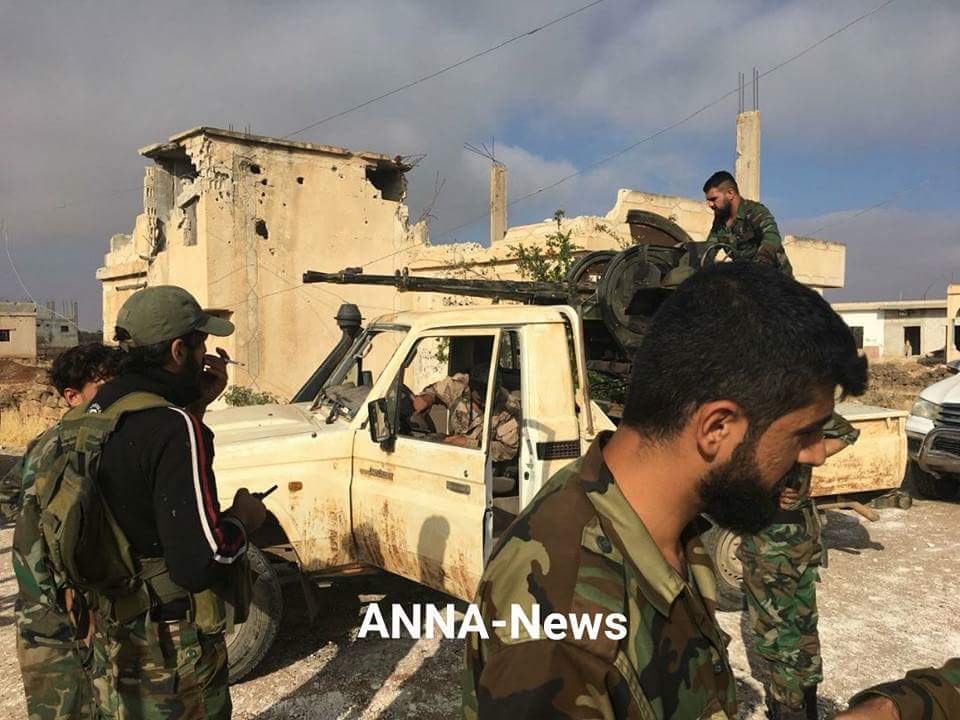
780	574
617	531
464	394
925	694
165	642
746	226
58	665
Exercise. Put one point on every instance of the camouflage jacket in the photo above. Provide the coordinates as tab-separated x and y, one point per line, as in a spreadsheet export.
453	392
837	428
11	484
927	694
40	616
579	548
753	235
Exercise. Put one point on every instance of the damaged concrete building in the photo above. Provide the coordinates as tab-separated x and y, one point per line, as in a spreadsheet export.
237	218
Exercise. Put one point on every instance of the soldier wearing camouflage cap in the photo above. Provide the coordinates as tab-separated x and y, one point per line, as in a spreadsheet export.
167	654
616	533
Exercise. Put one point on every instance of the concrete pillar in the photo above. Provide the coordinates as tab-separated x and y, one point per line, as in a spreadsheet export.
747	168
953	321
498	201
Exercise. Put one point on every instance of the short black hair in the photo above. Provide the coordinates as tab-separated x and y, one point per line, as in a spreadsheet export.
719	178
79	365
137	359
742	332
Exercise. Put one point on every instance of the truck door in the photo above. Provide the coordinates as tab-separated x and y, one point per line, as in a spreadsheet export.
419	506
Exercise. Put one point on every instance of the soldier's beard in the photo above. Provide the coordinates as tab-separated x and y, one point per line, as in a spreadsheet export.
722	213
734	496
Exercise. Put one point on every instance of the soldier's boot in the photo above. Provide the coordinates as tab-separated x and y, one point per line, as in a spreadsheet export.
810	702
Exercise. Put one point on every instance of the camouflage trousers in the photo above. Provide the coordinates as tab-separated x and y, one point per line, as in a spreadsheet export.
780	573
166	670
61	677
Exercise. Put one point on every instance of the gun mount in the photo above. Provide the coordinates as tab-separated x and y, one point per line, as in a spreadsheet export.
615	293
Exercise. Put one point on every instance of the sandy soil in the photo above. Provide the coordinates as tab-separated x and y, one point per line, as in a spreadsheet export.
888	602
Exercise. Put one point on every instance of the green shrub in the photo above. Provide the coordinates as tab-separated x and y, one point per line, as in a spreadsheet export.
240	396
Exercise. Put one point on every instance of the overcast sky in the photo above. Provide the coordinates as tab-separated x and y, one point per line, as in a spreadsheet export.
864	116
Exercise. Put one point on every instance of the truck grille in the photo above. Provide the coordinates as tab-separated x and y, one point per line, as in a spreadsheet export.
949	416
947	444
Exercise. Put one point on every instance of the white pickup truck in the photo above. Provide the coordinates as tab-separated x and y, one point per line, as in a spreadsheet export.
933	438
365	483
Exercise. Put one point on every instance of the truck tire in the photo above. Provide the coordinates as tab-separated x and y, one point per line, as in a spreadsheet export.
721	545
249	642
930	486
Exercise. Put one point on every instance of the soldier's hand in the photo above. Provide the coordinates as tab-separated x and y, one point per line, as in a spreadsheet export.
422	402
788	496
213	379
876	708
458	440
248	509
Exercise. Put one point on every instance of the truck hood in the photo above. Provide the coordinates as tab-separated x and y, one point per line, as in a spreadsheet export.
261	421
945	391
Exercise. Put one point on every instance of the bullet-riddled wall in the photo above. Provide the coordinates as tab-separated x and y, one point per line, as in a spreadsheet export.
236	219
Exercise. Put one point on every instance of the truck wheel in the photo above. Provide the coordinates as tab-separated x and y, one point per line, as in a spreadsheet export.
249	642
930	486
722	546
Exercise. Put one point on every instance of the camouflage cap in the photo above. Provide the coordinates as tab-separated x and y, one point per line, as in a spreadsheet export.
165	312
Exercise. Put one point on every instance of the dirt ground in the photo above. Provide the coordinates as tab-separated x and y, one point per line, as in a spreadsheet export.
888	602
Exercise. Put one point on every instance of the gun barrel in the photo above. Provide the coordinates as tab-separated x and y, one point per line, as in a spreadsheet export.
540	293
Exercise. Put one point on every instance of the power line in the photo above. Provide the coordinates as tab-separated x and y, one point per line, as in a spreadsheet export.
678	123
16	273
448	68
889	200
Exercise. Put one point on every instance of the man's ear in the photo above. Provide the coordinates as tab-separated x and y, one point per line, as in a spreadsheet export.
718	426
73	397
178	351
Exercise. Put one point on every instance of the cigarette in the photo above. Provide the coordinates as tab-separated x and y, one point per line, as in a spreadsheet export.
234	362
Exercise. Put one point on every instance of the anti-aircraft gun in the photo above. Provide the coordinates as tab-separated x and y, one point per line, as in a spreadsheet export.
614	292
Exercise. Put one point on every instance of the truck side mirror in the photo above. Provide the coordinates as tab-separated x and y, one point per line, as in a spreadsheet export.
381	425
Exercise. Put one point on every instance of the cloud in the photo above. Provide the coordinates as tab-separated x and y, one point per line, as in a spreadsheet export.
87	84
892	252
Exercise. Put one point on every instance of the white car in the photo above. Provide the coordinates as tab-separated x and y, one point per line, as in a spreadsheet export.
933	438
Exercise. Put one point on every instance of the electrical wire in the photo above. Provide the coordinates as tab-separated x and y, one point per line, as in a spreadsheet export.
446	69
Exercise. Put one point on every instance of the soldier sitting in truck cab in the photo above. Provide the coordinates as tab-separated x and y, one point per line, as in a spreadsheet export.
464	395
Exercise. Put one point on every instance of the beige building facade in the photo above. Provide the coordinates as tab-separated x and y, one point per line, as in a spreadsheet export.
18	330
899	328
237	218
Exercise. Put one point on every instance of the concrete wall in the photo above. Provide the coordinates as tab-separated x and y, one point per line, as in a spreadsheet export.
871	323
932	326
953	322
21	326
236	219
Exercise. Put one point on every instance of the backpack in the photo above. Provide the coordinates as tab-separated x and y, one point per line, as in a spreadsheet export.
85	546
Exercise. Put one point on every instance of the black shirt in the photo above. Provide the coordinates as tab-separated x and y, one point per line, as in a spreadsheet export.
156	475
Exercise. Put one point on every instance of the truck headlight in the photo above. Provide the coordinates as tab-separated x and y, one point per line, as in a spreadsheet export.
925	409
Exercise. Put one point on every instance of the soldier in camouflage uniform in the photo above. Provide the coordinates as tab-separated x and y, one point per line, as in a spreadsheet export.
780	574
745	225
926	694
616	533
464	394
59	663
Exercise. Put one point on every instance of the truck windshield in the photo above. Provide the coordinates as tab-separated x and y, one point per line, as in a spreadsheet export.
351	381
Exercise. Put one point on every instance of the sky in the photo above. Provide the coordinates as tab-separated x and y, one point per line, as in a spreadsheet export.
868	116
